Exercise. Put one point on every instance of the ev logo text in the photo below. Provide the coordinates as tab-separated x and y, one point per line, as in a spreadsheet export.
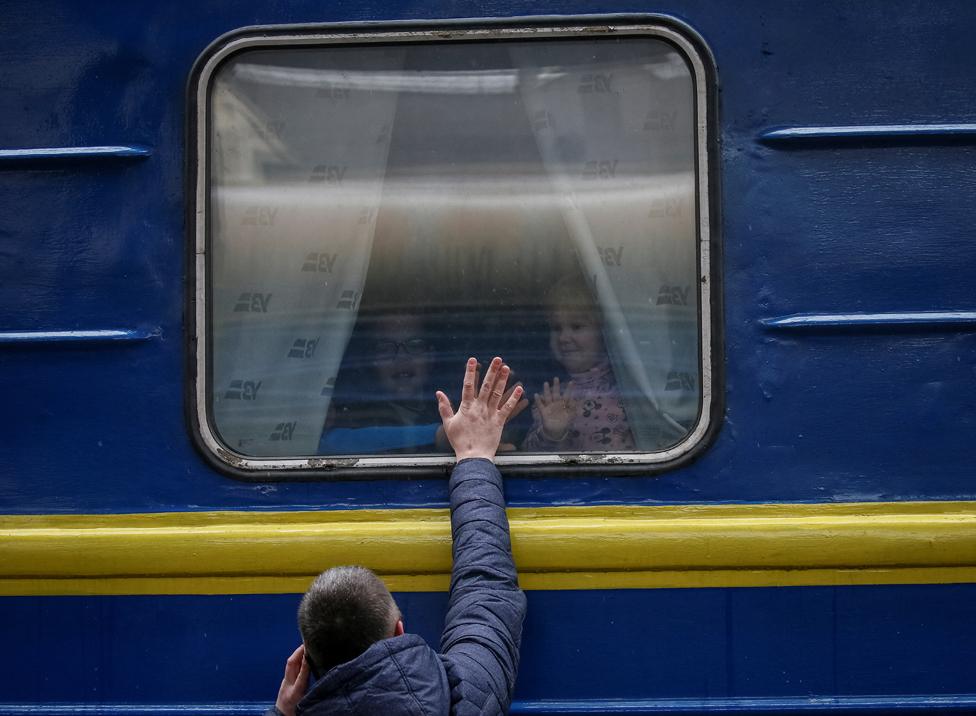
328	173
321	262
673	296
243	390
252	303
284	431
303	348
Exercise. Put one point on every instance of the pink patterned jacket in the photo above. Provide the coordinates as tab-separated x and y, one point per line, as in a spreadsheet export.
600	424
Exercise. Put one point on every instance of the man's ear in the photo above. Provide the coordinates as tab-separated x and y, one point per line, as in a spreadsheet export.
398	629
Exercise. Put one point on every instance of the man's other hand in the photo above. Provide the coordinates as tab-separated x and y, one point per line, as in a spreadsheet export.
476	428
294	684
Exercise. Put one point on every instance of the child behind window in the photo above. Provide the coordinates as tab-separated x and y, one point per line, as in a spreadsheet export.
587	414
396	413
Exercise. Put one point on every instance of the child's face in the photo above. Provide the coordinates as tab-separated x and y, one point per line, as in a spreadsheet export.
576	340
402	356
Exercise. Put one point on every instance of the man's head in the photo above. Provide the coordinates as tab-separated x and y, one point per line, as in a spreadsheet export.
344	612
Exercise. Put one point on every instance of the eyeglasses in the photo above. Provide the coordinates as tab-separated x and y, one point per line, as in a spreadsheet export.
387	350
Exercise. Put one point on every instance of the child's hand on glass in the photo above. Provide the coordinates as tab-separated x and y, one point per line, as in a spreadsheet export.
556	409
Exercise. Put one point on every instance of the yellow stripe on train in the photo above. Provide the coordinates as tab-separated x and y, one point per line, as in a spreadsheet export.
593	547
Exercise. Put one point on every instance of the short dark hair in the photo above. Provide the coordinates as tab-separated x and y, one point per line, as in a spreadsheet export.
343	613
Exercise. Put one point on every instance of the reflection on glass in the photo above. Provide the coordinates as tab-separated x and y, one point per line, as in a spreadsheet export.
380	213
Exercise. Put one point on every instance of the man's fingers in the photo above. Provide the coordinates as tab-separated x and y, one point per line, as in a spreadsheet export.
506	447
555	388
546	392
468	391
444	406
497	396
490	377
519	406
294	664
509	405
302	681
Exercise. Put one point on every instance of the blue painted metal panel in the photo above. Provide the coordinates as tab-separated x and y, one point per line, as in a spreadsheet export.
847	189
876	230
751	650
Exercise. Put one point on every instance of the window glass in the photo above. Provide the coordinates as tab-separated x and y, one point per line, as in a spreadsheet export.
378	213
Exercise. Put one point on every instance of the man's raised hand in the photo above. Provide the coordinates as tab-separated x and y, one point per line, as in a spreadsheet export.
476	428
294	683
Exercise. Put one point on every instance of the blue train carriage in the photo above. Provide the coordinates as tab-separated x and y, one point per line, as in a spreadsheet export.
243	243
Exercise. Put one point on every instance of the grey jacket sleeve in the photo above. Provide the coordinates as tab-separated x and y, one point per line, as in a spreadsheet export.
483	628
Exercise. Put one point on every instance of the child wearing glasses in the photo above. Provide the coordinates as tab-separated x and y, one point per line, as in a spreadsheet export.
397	414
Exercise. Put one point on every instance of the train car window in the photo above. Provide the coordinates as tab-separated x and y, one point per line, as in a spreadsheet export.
373	212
